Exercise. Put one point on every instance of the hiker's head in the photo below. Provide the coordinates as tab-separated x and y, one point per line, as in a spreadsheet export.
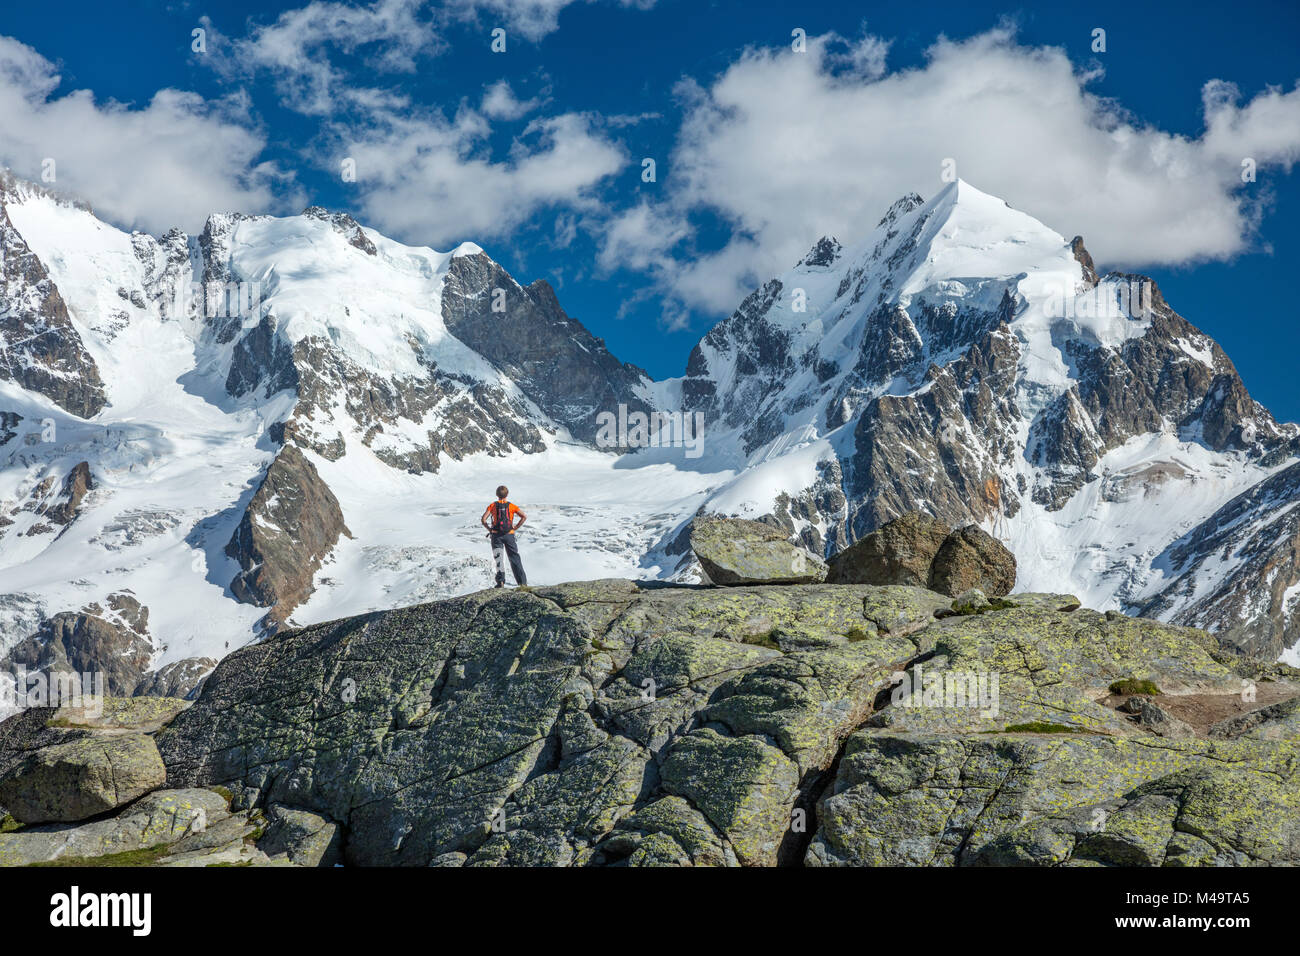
502	492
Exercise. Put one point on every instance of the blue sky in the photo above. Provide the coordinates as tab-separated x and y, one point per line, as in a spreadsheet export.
536	153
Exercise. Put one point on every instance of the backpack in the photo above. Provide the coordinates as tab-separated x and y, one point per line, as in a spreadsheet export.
501	517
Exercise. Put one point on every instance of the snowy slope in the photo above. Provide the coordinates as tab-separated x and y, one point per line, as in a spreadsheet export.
176	455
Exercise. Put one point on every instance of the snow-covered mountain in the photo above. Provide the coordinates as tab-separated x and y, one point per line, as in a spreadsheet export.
295	419
966	360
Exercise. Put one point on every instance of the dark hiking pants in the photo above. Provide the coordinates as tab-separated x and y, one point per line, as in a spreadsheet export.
502	545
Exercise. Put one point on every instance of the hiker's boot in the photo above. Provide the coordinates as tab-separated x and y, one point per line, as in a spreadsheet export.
501	580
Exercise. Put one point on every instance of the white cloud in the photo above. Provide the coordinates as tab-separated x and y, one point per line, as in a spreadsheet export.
423	178
297	49
500	102
532	19
169	163
640	239
787	147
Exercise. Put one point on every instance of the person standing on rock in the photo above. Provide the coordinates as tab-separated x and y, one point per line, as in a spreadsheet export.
499	519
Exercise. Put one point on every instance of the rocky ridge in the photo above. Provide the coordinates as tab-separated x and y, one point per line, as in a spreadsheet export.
615	723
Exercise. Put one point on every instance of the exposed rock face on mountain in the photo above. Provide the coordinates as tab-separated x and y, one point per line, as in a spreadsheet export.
113	640
522	330
75	486
735	551
335	397
604	723
41	350
8	426
1255	608
50	503
348	227
288	528
178	680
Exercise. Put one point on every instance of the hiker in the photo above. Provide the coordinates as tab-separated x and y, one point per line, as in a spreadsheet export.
499	519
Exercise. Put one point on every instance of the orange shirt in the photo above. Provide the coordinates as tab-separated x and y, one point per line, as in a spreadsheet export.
489	514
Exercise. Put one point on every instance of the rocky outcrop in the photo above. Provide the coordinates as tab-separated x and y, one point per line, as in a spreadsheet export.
179	679
457	415
607	723
345	226
75	486
1085	261
1274	722
70	762
735	551
997	801
918	550
113	641
53	501
522	330
82	778
292	522
8	425
42	350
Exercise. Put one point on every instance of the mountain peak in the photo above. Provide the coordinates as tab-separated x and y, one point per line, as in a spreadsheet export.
964	232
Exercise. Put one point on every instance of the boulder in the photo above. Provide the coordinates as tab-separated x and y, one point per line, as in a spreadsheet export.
899	552
972	558
166	827
142	714
735	551
303	837
82	778
1158	720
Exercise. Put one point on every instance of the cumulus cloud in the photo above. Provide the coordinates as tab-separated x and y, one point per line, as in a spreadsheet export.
168	163
424	178
640	238
423	175
786	147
